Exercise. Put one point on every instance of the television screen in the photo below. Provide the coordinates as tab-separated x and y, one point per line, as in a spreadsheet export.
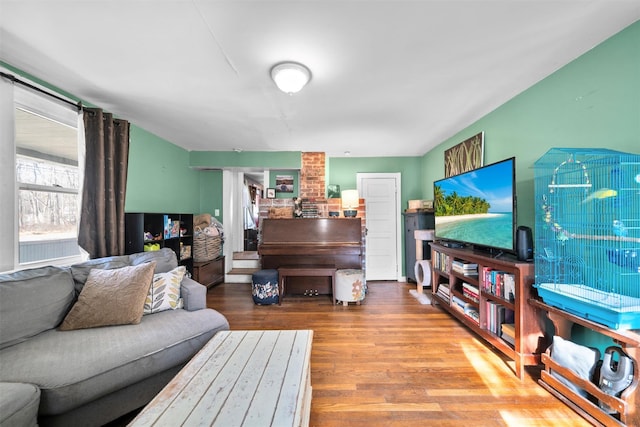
478	207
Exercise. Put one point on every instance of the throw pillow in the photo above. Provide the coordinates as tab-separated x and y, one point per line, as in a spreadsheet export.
111	297
580	359
164	293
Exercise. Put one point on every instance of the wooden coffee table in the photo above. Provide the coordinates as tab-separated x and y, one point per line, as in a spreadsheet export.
239	378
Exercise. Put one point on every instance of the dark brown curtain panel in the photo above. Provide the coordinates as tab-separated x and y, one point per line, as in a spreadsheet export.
101	230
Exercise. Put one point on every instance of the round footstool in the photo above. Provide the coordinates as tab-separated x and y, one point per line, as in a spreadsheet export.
265	287
350	286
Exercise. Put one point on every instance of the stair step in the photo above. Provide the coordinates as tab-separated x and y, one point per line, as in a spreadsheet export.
240	275
246	255
246	263
236	270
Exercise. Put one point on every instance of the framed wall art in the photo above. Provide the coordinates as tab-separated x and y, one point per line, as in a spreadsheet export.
333	191
271	193
466	156
284	183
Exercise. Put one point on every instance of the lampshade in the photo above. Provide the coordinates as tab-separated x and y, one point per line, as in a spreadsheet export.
350	202
290	77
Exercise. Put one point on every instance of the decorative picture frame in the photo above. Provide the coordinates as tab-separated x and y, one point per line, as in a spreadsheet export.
333	191
284	184
466	156
271	193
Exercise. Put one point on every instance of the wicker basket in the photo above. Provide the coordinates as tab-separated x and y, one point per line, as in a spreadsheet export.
205	247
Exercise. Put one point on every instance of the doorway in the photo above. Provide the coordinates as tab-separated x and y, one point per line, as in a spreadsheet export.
381	192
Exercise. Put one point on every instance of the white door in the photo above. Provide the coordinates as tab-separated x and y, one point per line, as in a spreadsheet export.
381	193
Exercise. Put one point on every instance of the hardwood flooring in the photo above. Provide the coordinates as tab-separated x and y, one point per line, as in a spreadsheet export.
394	362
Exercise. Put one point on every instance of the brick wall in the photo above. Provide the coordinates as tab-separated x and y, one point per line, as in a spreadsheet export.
312	186
312	182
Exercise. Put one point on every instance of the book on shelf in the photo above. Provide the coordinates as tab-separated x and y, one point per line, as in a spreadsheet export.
497	315
458	303
440	261
509	287
464	265
465	268
498	283
470	291
509	339
508	333
472	313
443	290
508	329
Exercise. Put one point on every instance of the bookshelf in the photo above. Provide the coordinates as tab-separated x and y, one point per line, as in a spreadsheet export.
152	229
490	296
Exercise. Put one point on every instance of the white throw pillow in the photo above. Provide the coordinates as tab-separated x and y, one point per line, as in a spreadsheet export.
164	292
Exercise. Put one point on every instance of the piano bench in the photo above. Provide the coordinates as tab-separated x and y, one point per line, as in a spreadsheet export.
306	271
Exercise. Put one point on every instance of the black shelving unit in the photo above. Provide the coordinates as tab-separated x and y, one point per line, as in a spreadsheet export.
149	228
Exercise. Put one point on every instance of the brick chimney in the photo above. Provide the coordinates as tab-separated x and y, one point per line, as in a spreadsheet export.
312	183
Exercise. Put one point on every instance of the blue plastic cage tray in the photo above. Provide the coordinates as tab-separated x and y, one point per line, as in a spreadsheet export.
612	310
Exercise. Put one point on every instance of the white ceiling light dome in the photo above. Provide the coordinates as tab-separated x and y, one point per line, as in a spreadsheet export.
290	77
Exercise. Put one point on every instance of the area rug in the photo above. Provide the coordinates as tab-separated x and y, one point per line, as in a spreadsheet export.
421	297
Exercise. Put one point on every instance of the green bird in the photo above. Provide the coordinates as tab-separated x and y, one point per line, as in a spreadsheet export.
602	193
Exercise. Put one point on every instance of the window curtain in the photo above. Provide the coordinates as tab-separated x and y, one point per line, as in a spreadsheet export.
101	231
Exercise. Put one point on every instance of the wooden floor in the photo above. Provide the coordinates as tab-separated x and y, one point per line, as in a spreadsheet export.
394	362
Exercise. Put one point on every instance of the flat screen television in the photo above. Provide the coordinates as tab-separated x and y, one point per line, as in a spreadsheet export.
478	207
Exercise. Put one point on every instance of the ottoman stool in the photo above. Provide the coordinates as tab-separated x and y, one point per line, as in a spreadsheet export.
350	286
265	287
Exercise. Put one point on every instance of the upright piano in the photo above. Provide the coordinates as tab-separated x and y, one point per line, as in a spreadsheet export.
309	242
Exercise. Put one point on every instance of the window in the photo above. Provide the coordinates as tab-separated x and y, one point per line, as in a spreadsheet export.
47	176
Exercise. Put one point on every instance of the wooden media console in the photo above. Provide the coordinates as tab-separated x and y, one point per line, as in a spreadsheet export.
484	293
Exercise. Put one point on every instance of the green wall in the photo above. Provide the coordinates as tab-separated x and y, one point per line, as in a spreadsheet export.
593	101
343	170
296	183
211	192
159	178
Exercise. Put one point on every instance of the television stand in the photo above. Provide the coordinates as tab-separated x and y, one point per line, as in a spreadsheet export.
485	297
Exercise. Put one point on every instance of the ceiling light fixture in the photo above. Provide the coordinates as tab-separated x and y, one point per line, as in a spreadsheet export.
290	77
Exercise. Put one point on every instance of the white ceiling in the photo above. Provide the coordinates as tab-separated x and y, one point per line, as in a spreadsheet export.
390	78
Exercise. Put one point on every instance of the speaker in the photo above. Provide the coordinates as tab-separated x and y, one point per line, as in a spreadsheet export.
524	244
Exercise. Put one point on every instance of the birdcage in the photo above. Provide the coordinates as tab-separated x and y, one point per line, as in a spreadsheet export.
587	234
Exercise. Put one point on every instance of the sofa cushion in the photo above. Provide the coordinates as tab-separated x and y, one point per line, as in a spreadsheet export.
111	297
19	404
32	301
81	271
165	259
91	363
164	292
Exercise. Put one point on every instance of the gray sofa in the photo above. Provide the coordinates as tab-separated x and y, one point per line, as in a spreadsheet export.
90	376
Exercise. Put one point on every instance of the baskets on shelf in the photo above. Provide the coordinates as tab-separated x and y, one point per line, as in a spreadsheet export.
205	246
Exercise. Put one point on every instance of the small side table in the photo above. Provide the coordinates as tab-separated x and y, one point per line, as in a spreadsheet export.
209	273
